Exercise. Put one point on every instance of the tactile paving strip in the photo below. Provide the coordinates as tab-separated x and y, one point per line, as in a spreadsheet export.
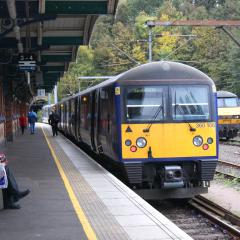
101	220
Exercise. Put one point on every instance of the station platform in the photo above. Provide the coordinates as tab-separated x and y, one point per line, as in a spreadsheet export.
72	197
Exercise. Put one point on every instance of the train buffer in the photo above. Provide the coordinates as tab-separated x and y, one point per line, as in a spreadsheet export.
72	197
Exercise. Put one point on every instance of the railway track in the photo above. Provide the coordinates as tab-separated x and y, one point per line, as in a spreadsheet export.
201	219
217	214
231	142
228	168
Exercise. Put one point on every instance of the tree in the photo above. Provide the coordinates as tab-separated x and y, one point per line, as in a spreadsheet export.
70	83
119	43
129	10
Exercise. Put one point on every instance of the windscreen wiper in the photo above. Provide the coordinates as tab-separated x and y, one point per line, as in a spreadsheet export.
147	129
192	129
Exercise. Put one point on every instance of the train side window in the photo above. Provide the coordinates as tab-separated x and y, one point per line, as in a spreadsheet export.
104	111
103	94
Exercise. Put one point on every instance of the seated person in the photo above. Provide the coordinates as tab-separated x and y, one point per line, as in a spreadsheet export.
11	194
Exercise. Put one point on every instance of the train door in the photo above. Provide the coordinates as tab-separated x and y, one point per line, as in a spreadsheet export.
93	119
96	121
60	116
67	120
78	125
75	117
72	117
85	120
64	117
105	120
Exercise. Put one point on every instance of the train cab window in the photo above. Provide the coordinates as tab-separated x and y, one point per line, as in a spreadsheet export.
190	102
231	102
220	102
146	103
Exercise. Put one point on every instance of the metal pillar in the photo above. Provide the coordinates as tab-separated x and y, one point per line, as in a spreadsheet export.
149	44
55	94
150	25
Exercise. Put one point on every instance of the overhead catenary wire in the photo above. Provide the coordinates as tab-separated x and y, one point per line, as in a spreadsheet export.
126	54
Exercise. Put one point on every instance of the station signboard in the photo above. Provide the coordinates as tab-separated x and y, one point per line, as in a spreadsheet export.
26	62
41	92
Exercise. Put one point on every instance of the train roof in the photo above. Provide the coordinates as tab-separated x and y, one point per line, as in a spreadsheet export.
225	94
162	70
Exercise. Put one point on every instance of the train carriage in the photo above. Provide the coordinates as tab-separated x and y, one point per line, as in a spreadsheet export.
158	122
228	114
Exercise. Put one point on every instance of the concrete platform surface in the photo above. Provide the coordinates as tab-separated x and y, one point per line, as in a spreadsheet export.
72	197
46	213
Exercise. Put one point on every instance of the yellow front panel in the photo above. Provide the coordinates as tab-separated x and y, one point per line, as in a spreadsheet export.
169	140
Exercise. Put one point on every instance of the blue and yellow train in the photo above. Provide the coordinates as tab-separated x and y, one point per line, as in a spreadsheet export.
157	122
228	115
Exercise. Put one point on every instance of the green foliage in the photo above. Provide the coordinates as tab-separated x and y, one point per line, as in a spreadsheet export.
69	83
121	42
147	6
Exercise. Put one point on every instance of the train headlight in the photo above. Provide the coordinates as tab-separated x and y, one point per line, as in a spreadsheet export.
197	141
141	142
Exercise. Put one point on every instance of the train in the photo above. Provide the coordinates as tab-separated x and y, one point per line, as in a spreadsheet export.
228	115
157	123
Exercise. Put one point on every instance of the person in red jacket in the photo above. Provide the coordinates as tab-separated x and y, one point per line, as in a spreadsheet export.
23	123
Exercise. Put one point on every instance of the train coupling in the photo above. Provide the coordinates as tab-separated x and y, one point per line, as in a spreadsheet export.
173	177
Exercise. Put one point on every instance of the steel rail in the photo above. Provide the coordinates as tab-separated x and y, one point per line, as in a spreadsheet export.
231	142
229	164
217	214
228	168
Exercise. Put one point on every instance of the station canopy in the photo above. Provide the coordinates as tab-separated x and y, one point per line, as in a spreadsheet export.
48	32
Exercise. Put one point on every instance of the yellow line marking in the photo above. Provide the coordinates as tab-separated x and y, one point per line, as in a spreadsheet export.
76	205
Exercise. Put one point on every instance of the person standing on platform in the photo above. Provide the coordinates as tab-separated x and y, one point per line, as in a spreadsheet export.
32	118
23	123
53	121
11	194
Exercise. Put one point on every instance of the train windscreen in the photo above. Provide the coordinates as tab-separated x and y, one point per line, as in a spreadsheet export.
190	102
230	102
220	102
145	103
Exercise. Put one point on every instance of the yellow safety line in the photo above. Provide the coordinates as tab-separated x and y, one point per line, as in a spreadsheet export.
80	214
